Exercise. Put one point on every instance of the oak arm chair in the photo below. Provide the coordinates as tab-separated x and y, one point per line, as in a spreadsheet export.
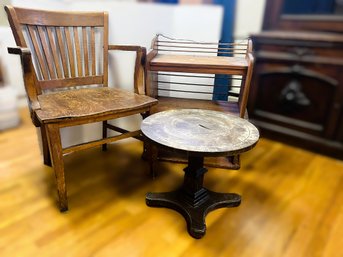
64	57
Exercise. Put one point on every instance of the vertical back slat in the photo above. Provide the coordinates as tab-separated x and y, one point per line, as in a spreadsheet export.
85	50
93	57
29	44
53	47
105	53
36	47
46	51
70	51
63	52
78	51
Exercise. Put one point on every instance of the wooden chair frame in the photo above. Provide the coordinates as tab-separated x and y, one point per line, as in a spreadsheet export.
51	125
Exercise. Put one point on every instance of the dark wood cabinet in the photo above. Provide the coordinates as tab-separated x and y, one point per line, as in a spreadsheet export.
297	89
296	93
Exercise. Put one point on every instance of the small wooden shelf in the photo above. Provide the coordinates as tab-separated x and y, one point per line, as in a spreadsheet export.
199	64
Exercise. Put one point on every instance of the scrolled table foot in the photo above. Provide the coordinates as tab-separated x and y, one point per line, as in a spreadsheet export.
194	215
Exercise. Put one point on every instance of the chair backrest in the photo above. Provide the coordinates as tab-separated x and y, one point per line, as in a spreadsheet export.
68	48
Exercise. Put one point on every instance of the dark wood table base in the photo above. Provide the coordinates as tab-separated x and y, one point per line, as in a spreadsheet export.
192	200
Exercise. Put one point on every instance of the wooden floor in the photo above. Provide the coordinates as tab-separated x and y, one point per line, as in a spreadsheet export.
292	204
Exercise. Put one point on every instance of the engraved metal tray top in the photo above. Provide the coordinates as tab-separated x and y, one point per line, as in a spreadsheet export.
201	131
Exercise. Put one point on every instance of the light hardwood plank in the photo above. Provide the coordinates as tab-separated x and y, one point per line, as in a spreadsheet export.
291	204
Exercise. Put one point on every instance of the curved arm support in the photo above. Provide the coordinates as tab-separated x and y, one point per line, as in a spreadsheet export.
139	74
30	81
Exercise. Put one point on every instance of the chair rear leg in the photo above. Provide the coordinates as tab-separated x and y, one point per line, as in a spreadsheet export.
150	152
153	161
104	134
45	146
53	133
146	151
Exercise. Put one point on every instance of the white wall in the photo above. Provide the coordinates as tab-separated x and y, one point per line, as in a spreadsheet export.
249	17
129	23
132	23
10	64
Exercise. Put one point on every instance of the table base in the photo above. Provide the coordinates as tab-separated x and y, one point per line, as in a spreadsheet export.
192	200
195	216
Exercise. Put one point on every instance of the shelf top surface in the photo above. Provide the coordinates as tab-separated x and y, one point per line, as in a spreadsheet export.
193	61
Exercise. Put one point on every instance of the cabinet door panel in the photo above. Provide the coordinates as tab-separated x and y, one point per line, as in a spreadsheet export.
296	96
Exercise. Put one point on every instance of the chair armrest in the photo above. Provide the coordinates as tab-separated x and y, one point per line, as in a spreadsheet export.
139	74
125	47
130	48
29	80
18	50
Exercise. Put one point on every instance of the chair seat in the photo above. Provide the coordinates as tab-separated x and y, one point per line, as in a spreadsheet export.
89	102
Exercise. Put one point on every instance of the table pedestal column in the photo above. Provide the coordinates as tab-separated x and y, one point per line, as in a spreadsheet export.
192	200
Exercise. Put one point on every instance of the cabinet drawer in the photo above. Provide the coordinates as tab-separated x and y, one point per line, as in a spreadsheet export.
300	44
301	51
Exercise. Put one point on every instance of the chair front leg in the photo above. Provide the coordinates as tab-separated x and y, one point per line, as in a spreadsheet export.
45	146
55	144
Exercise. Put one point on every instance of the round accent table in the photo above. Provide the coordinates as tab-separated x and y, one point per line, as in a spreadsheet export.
199	133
